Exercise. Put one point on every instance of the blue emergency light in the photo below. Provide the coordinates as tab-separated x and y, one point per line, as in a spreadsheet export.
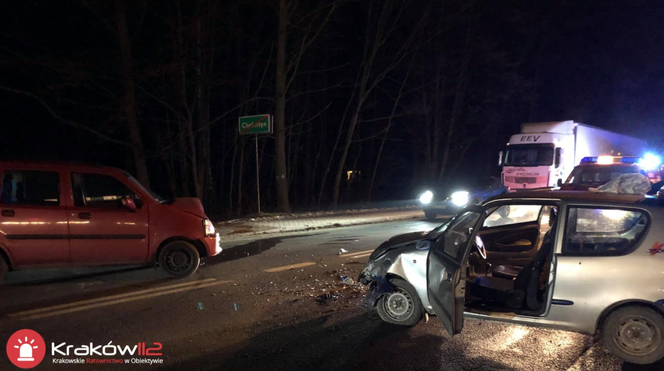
650	162
606	160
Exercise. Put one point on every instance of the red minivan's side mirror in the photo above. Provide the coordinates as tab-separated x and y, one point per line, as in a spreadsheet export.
128	203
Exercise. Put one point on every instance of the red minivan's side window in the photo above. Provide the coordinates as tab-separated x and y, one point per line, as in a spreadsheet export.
98	190
29	187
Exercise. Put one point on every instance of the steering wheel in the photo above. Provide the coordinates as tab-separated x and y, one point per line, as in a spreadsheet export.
480	246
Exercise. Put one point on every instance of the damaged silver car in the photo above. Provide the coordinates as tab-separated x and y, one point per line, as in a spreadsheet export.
577	261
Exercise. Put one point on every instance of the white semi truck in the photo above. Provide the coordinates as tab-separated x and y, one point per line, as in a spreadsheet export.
544	153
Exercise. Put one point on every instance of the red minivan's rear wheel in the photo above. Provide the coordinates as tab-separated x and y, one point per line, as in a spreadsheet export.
179	259
4	268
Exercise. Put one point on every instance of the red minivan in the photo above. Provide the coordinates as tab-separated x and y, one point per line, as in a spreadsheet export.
60	214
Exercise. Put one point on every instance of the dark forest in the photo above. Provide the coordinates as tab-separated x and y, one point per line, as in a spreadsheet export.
372	100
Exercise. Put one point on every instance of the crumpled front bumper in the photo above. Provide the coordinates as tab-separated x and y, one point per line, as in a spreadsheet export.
374	274
403	261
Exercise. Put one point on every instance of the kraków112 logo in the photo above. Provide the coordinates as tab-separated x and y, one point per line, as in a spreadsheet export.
26	348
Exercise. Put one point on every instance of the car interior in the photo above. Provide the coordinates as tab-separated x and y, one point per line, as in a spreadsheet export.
512	276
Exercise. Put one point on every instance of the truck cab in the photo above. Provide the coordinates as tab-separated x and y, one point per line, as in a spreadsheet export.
539	156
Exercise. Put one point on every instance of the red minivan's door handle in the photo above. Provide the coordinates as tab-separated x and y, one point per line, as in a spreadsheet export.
8	212
84	215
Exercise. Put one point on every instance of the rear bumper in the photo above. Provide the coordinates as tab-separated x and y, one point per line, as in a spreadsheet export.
212	245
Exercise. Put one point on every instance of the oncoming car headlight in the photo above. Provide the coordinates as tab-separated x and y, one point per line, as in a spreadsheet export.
426	198
460	198
209	228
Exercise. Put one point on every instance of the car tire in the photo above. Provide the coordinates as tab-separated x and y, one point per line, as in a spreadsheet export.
179	259
635	334
430	215
402	306
4	268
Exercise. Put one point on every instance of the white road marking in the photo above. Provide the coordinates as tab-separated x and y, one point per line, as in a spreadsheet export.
287	267
119	301
368	252
360	255
106	298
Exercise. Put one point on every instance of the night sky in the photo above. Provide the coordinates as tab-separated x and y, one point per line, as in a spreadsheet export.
596	62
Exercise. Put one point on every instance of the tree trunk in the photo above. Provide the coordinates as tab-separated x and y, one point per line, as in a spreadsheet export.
344	154
458	101
130	95
371	46
239	178
167	158
180	98
353	174
232	180
280	111
203	66
168	164
334	149
389	125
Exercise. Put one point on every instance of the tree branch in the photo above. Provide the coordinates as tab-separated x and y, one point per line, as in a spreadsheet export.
325	69
339	85
380	118
63	120
306	43
311	118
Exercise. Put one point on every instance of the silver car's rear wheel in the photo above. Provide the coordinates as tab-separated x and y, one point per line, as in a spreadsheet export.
635	334
402	306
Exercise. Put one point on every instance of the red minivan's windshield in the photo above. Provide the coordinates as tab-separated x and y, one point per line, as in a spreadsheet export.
148	191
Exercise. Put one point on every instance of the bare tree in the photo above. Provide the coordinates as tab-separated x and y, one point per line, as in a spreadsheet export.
286	69
390	122
383	19
459	96
129	106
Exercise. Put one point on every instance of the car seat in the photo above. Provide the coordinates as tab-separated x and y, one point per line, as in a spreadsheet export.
523	291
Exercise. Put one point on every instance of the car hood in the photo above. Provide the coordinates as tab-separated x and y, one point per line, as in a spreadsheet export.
397	241
191	205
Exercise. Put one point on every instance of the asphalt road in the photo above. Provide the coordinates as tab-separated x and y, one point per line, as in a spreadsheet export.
276	304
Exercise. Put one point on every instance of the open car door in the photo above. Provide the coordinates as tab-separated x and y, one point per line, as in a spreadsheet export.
446	270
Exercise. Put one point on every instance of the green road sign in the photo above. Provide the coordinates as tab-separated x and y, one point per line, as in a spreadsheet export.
258	124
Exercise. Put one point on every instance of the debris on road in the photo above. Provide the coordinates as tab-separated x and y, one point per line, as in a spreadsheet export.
322	299
343	251
347	280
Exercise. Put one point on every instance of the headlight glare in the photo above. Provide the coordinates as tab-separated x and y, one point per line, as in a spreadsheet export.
426	198
460	198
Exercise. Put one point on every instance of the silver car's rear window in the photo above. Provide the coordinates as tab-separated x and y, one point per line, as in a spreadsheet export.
603	231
